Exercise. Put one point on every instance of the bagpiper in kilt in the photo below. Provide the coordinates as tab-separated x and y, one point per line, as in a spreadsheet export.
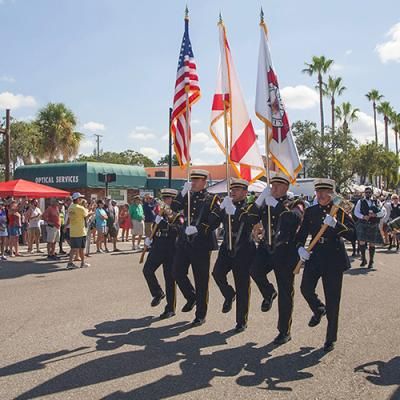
368	211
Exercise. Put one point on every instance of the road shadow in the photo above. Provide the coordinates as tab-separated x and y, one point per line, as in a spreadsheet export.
38	362
157	346
383	373
359	271
12	270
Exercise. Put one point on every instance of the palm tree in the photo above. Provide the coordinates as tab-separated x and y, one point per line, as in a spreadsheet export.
319	66
57	124
346	114
332	89
395	118
374	96
386	110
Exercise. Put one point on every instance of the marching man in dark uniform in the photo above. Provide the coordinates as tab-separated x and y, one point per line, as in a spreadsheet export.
281	255
327	260
276	200
162	251
368	211
242	252
195	242
394	213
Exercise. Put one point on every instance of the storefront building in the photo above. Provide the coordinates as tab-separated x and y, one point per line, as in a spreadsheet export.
83	177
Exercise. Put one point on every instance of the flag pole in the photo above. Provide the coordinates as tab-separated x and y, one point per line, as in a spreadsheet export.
187	89
227	152
269	231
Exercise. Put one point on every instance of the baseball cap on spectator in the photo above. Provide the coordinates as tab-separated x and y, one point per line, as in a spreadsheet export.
76	195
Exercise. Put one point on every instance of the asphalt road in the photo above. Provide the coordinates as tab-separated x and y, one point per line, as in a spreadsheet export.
91	334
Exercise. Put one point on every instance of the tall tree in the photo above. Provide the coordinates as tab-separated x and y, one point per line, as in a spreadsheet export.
385	109
319	66
57	125
374	96
332	89
346	114
395	118
127	157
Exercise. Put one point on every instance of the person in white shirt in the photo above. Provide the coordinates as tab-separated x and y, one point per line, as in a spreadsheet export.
33	218
369	211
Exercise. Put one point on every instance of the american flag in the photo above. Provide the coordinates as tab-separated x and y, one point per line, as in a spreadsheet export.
186	86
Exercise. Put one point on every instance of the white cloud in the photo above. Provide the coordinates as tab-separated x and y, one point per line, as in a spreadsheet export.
94	126
299	97
390	50
86	146
150	152
363	129
14	101
5	78
142	128
211	150
142	133
195	121
348	52
337	67
200	137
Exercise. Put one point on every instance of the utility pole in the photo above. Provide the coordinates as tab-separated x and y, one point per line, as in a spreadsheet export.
7	147
98	144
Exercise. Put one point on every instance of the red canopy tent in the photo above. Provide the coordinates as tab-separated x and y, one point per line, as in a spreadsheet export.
22	188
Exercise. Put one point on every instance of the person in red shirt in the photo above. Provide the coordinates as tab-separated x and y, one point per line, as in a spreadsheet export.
52	217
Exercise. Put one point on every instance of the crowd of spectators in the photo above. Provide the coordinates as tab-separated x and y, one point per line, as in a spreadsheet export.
76	222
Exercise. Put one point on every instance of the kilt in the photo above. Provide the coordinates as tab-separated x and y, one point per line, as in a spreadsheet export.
367	232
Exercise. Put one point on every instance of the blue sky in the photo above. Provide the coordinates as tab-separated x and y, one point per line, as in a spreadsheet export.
113	62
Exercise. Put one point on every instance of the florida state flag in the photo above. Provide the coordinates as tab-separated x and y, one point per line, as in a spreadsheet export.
270	109
243	150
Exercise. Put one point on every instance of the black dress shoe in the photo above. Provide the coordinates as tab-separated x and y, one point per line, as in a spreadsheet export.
371	264
189	305
157	300
329	346
266	305
316	318
198	321
363	263
228	305
240	328
167	314
282	338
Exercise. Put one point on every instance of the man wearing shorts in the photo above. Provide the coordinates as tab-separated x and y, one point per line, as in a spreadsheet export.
52	217
77	230
137	216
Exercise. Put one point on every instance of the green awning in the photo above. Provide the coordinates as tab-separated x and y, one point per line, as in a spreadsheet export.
82	175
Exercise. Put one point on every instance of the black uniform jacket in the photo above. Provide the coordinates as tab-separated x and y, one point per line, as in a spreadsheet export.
284	225
167	230
201	205
242	223
330	250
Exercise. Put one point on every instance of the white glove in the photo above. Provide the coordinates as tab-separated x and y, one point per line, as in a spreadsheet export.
303	254
271	201
158	219
228	205
331	221
186	188
148	242
191	230
261	198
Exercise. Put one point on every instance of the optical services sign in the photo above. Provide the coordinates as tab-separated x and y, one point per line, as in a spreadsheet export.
49	180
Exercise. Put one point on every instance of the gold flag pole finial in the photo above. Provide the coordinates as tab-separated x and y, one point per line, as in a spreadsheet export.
220	18
262	16
186	12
